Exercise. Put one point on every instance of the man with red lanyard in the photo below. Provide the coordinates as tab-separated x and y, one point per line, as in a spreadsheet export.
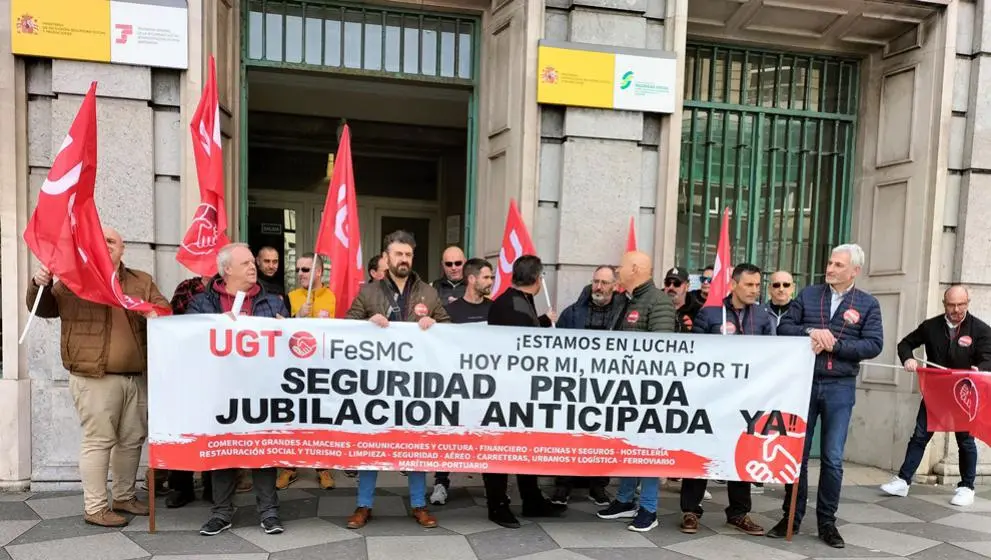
954	339
844	328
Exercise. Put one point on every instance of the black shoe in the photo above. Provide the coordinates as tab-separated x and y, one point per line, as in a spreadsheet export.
214	526
503	517
829	535
541	508
598	495
560	496
780	530
272	526
178	498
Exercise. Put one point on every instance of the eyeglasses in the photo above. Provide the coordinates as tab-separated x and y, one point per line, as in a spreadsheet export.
706	279
452	264
668	282
779	285
303	269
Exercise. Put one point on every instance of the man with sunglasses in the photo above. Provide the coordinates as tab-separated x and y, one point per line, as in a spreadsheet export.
676	286
316	301
451	286
781	292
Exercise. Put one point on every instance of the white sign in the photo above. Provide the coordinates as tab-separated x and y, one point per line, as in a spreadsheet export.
148	34
474	398
644	83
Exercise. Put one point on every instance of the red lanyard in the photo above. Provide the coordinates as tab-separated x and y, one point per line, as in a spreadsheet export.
825	324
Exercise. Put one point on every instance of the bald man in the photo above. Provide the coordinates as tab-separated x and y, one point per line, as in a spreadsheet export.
957	340
647	309
105	350
781	291
451	286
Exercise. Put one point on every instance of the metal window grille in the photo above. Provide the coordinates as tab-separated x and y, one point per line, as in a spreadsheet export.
771	136
360	40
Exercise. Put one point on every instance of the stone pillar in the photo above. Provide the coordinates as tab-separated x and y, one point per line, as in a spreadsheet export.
600	167
15	384
967	231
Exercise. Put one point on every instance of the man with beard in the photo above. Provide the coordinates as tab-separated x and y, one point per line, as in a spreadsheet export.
782	290
596	309
647	310
676	286
473	307
400	296
267	261
515	308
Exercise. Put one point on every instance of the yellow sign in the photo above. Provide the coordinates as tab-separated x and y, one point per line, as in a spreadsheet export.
73	29
574	77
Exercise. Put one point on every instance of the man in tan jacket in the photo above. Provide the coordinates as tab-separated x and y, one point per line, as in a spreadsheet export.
105	350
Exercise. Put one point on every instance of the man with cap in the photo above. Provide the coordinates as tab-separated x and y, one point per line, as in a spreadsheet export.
676	286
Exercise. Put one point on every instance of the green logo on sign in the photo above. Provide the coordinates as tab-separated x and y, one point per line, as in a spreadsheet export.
626	80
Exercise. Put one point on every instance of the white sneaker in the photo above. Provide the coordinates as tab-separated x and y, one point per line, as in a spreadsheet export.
964	497
439	497
897	487
707	495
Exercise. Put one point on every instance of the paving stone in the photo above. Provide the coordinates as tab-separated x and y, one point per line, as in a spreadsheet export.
398	527
717	522
967	521
938	532
808	544
4	555
947	552
14	496
17	511
189	542
866	494
630	554
668	531
353	549
188	518
298	534
594	535
872	513
897	544
54	508
559	554
334	506
915	507
723	547
62	528
981	547
256	556
501	543
466	521
111	546
10	530
982	505
435	548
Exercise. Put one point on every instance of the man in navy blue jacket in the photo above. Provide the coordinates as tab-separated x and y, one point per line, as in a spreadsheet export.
844	327
743	315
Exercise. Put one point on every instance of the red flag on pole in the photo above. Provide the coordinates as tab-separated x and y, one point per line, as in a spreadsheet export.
64	231
957	401
339	236
208	232
516	242
722	270
631	237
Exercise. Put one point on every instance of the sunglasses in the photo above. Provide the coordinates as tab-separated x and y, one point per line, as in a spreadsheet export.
779	285
706	279
451	264
303	269
668	282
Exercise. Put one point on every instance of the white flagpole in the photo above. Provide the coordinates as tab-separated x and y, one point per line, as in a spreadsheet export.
724	317
547	297
34	310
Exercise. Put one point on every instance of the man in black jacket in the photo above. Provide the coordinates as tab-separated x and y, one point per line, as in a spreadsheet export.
956	340
515	308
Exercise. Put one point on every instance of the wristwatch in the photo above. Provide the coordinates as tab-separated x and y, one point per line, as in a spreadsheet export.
809	330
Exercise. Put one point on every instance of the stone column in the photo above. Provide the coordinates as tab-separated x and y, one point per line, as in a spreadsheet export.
599	168
15	384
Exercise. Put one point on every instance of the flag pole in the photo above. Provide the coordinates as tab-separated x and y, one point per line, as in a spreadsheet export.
34	311
547	297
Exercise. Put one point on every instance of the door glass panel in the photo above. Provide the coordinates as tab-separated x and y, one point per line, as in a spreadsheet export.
275	227
420	229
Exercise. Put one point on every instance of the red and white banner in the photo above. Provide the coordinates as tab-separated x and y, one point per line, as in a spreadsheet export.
65	232
208	231
474	398
957	401
722	270
339	236
516	242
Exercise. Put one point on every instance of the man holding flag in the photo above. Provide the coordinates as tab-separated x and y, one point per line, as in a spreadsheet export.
954	339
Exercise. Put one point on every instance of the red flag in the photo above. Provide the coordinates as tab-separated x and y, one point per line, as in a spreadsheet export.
516	242
722	271
957	401
339	236
208	232
631	237
64	231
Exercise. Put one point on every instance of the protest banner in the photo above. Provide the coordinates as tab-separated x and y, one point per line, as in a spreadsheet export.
344	394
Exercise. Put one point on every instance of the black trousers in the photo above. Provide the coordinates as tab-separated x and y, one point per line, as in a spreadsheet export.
693	491
572	482
497	486
182	481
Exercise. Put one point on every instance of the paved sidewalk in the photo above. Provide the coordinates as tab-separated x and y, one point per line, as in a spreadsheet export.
49	526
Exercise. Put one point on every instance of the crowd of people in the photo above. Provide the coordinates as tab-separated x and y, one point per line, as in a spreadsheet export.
104	348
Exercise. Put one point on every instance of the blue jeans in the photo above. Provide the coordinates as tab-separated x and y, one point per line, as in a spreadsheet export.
648	491
917	447
832	402
417	488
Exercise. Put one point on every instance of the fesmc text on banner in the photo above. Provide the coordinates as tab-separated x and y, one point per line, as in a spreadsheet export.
474	398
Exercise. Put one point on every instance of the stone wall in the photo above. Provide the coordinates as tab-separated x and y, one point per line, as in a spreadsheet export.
140	141
598	167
